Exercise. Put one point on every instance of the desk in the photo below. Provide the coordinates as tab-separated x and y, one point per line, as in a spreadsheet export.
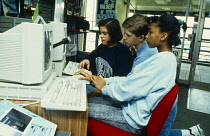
73	121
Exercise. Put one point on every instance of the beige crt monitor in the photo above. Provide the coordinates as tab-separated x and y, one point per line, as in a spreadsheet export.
26	53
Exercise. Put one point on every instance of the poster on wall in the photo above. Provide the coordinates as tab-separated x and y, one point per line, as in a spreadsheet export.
105	9
9	8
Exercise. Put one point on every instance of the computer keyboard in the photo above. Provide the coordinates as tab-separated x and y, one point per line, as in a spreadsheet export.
66	95
71	68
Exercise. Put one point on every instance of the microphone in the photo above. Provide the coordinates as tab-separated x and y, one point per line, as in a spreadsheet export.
64	41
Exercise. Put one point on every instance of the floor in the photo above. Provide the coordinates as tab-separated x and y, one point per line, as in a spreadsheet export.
194	100
187	117
195	92
202	73
198	100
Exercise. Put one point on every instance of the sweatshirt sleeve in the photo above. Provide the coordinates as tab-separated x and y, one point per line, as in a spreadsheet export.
149	76
91	57
114	79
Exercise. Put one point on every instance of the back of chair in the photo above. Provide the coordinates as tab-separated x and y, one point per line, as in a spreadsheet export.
161	112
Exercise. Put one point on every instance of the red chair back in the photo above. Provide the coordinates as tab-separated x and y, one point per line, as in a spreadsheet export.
161	112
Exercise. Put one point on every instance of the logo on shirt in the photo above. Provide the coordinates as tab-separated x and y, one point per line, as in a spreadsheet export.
136	68
103	68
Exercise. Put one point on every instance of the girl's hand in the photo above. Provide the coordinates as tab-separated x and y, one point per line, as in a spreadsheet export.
84	70
98	82
88	71
84	63
87	75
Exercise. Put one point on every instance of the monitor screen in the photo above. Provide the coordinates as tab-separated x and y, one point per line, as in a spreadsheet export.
47	51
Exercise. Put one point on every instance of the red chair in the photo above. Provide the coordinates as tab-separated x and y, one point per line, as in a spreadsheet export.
154	127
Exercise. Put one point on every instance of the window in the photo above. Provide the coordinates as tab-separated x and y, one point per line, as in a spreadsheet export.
92	39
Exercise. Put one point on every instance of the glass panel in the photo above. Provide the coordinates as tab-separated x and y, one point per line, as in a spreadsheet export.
90	41
191	18
202	67
187	48
91	13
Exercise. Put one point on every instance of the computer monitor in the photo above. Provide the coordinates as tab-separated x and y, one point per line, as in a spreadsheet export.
26	53
59	32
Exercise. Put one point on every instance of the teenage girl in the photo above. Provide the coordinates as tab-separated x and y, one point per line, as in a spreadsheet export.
111	57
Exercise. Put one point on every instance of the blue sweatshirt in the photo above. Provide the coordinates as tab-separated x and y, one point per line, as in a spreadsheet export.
141	90
114	61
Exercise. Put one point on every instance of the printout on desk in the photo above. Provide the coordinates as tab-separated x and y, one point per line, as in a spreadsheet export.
70	69
18	121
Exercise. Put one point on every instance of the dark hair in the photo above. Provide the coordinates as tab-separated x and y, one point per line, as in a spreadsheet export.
168	23
113	27
183	24
136	24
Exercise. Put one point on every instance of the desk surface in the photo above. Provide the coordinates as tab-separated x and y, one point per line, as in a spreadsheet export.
72	121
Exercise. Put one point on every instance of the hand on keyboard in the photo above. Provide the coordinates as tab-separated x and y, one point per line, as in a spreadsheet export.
72	68
83	70
84	63
86	75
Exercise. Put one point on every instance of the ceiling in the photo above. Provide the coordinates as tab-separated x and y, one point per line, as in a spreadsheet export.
167	5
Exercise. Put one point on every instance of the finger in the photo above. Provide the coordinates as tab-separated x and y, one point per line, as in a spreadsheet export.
83	78
83	65
79	66
78	72
81	72
88	66
84	73
92	78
